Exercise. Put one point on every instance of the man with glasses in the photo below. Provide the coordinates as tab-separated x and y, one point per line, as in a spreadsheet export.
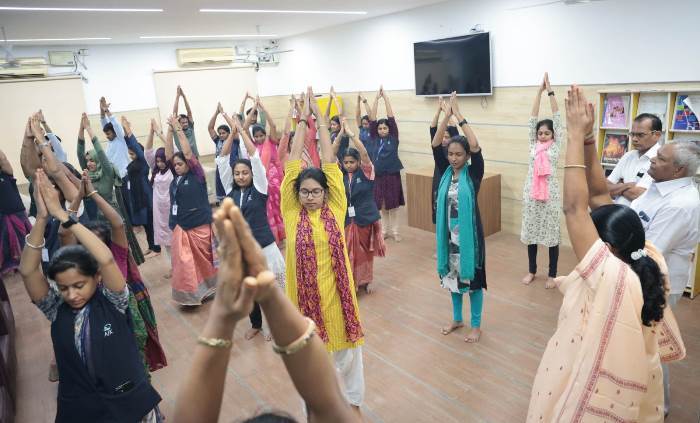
625	182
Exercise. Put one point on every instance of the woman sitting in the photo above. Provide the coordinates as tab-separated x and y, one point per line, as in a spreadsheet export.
614	331
102	376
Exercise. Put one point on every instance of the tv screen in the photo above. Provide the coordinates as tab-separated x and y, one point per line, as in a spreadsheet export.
461	64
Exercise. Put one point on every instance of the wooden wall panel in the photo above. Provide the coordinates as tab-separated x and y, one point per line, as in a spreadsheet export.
499	121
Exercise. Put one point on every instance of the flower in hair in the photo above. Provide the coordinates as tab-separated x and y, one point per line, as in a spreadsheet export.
636	255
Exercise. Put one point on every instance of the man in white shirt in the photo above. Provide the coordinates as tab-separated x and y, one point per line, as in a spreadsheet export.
670	214
623	182
116	148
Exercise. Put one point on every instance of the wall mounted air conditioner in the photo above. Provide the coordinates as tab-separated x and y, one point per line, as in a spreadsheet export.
24	67
187	57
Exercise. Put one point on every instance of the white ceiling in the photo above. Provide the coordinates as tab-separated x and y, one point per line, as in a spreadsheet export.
182	17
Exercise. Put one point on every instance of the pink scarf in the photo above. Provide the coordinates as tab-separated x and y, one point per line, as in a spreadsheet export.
541	170
307	275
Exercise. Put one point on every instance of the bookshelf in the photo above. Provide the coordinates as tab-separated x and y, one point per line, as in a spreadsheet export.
666	104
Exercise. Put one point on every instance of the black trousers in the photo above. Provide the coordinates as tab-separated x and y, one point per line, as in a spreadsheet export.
256	317
149	233
553	259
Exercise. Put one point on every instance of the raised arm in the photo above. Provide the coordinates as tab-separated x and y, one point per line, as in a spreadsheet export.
111	275
436	117
299	140
44	123
53	167
598	194
175	125
579	121
113	217
440	131
552	99
338	140
327	155
30	263
81	143
168	141
28	158
176	106
538	98
151	134
249	118
187	105
356	143
387	103
212	122
463	125
358	110
241	111
375	106
338	104
274	136
234	122
327	113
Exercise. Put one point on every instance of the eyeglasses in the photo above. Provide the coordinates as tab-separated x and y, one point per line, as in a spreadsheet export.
640	134
315	193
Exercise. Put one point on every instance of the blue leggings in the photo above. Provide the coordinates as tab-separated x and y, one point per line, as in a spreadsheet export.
476	299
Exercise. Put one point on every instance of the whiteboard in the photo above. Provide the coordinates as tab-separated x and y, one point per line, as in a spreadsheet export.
204	88
61	99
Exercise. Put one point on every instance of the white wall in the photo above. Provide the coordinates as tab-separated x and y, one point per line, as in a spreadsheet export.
123	73
611	41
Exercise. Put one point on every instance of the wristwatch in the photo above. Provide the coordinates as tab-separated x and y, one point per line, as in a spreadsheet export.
70	222
551	93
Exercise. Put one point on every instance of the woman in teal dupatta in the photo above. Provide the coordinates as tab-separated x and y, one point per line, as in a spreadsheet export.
459	232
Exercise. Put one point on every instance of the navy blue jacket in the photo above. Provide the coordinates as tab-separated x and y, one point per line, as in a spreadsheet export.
117	387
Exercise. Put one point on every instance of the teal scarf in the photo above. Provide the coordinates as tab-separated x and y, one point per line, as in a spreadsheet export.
468	243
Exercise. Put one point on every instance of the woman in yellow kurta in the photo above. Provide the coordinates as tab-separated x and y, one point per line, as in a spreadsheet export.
603	363
319	275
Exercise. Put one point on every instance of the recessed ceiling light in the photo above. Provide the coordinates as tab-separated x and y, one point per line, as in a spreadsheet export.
26	40
312	12
151	37
74	9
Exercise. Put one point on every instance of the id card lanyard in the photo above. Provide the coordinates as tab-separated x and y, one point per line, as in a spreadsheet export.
351	208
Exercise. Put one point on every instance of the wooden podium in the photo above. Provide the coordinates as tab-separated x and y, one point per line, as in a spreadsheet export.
420	203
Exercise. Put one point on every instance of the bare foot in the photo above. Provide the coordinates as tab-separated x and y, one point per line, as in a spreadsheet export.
473	336
250	333
397	237
151	254
268	337
550	283
368	289
527	280
453	327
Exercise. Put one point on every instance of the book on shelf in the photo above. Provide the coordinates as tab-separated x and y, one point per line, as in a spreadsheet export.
654	103
684	117
614	147
614	112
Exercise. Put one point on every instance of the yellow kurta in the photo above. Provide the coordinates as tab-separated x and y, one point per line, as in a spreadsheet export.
337	203
602	364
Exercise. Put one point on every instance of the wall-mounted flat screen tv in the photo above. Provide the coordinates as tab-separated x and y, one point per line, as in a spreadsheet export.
461	64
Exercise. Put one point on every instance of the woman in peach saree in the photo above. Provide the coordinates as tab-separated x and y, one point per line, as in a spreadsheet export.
603	363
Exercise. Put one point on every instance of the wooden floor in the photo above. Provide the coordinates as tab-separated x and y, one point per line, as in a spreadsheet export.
413	373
